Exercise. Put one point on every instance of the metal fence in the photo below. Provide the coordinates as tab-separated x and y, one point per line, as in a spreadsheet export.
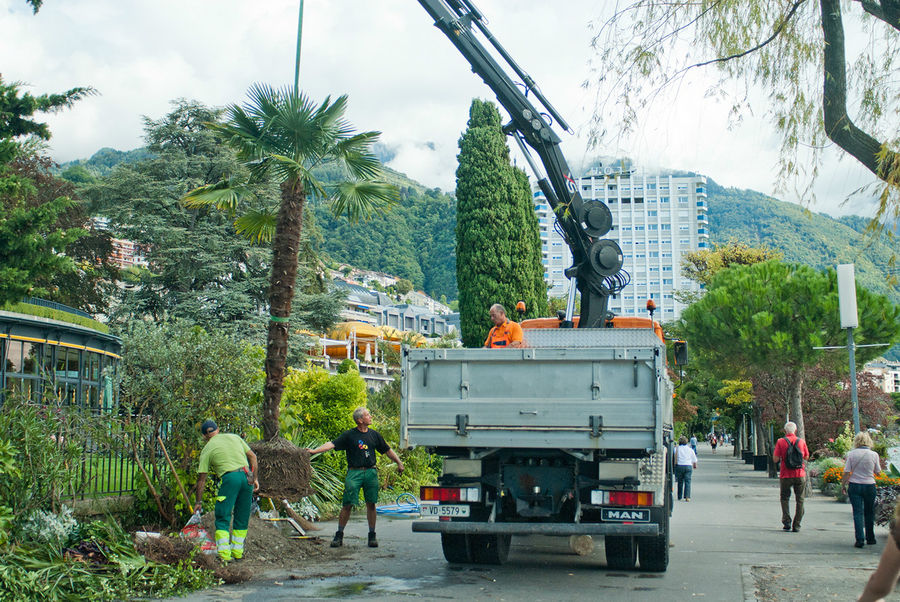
58	306
109	465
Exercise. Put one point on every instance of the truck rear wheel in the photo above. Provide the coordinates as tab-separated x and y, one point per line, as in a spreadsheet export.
455	547
654	552
621	552
489	549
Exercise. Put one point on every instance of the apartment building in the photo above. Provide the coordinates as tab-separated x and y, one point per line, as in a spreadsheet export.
656	220
886	372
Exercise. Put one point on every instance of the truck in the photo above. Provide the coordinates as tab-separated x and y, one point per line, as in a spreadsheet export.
571	434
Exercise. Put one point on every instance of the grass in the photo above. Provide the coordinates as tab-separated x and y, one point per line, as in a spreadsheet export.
55	314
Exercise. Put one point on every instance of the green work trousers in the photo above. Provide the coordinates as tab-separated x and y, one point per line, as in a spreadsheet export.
234	499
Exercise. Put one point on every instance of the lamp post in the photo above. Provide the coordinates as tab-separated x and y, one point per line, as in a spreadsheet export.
849	319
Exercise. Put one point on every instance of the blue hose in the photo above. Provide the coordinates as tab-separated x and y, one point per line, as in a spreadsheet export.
406	504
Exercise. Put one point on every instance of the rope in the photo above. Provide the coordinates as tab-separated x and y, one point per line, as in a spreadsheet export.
406	504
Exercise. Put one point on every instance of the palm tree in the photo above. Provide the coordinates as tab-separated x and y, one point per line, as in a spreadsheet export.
283	136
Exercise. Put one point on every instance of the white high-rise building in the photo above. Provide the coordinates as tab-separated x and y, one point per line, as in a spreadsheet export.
656	220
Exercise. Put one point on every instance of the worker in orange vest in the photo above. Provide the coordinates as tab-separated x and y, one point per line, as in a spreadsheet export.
505	332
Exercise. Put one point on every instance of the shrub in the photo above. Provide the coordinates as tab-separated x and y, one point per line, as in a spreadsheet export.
843	443
883	479
319	406
174	376
833	475
49	441
47	528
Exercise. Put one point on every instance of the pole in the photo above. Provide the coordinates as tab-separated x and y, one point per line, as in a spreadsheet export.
851	349
297	63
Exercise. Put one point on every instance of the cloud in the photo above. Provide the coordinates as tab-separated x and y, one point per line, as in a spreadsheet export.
403	78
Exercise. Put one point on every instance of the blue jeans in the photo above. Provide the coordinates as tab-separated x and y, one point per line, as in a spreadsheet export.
683	476
862	498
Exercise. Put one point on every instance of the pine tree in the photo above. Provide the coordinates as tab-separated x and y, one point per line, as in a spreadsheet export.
497	241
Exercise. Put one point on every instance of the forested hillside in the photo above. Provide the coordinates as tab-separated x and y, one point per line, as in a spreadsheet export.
805	237
415	239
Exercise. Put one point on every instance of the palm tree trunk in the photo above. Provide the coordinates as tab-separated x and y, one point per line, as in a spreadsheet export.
285	247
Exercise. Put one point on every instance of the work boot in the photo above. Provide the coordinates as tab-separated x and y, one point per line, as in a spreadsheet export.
373	542
338	540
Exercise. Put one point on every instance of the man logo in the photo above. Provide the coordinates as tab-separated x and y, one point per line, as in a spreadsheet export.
636	516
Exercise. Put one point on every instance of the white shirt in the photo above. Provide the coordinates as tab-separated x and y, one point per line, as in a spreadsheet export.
862	464
685	456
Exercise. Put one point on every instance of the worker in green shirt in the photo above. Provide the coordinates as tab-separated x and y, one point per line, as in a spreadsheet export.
231	458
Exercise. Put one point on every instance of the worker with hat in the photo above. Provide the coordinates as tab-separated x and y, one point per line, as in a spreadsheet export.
234	462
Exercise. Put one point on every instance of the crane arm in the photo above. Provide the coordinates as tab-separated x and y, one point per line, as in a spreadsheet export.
597	262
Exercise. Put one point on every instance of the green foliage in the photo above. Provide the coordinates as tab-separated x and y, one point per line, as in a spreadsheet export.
793	51
404	286
282	136
8	470
346	366
173	377
49	441
56	530
201	270
416	240
55	314
318	405
497	242
813	239
421	468
843	443
769	316
31	239
43	573
737	392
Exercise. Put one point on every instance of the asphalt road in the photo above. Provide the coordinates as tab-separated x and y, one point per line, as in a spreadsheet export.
727	544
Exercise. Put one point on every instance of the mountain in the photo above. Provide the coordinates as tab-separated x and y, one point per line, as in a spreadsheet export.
805	237
416	238
105	159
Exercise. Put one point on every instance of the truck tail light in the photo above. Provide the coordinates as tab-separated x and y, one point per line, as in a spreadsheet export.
449	494
622	498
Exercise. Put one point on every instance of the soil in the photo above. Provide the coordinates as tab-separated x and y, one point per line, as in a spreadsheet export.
270	546
284	470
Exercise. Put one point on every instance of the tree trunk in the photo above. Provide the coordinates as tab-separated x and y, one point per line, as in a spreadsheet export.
838	125
760	447
796	405
285	246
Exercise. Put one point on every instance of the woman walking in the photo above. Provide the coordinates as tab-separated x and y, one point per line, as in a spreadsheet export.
685	463
858	481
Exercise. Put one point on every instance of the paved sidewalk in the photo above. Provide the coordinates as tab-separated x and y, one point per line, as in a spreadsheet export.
731	531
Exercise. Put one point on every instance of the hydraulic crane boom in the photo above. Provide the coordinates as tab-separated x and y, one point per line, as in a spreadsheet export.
597	262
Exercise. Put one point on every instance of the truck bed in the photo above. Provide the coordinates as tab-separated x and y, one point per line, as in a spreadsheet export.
602	389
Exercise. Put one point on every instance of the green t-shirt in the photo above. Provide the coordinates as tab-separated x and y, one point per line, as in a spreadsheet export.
223	453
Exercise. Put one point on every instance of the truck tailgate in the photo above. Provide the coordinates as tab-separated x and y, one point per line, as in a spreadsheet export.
608	397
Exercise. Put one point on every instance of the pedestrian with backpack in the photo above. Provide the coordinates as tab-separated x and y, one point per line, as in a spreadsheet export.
791	452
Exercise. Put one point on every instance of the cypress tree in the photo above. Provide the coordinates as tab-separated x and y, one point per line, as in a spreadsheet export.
498	246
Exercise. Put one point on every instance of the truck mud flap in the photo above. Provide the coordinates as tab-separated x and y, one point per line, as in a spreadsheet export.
562	529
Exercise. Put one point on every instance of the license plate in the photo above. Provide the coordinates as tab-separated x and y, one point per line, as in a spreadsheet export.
624	515
444	510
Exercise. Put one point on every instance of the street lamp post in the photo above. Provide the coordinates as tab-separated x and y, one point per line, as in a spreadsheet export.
849	319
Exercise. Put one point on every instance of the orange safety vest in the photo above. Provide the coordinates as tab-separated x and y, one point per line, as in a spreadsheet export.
503	335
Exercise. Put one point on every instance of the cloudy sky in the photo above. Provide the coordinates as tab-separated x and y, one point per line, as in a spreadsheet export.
403	77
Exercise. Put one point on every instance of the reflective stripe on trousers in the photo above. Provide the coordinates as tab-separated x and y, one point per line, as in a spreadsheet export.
237	542
223	545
